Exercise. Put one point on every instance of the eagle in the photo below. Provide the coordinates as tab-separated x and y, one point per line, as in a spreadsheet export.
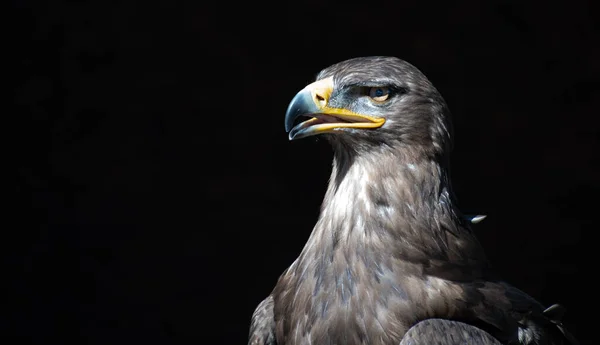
391	259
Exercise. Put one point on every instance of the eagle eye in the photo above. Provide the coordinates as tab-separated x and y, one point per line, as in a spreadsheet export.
379	94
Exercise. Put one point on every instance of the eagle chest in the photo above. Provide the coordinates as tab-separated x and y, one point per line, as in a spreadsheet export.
357	303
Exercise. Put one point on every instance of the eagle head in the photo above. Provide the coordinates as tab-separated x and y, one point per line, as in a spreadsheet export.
372	101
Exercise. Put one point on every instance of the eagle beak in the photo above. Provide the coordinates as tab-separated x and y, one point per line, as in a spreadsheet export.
312	102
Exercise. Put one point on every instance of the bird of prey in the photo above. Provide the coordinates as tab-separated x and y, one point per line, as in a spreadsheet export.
391	260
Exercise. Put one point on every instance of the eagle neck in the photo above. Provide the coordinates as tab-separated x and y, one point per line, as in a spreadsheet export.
394	202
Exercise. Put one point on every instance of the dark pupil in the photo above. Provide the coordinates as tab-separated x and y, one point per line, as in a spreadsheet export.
379	92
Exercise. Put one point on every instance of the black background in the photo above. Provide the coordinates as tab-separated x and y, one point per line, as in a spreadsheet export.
158	197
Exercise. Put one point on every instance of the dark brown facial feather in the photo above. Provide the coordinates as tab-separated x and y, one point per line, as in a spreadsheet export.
390	248
420	118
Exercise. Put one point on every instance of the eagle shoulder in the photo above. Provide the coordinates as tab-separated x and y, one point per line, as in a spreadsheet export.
262	326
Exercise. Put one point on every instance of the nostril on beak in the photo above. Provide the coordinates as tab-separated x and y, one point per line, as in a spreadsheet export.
320	100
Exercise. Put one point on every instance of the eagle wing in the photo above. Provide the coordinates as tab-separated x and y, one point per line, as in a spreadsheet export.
446	332
262	327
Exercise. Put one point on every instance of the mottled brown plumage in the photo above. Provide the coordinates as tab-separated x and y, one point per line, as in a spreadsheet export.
390	248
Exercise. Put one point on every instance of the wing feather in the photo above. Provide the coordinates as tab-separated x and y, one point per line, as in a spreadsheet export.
262	327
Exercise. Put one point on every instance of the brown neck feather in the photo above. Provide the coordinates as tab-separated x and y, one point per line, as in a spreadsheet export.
393	202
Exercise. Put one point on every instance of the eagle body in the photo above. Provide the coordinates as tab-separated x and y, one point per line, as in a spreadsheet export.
391	260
